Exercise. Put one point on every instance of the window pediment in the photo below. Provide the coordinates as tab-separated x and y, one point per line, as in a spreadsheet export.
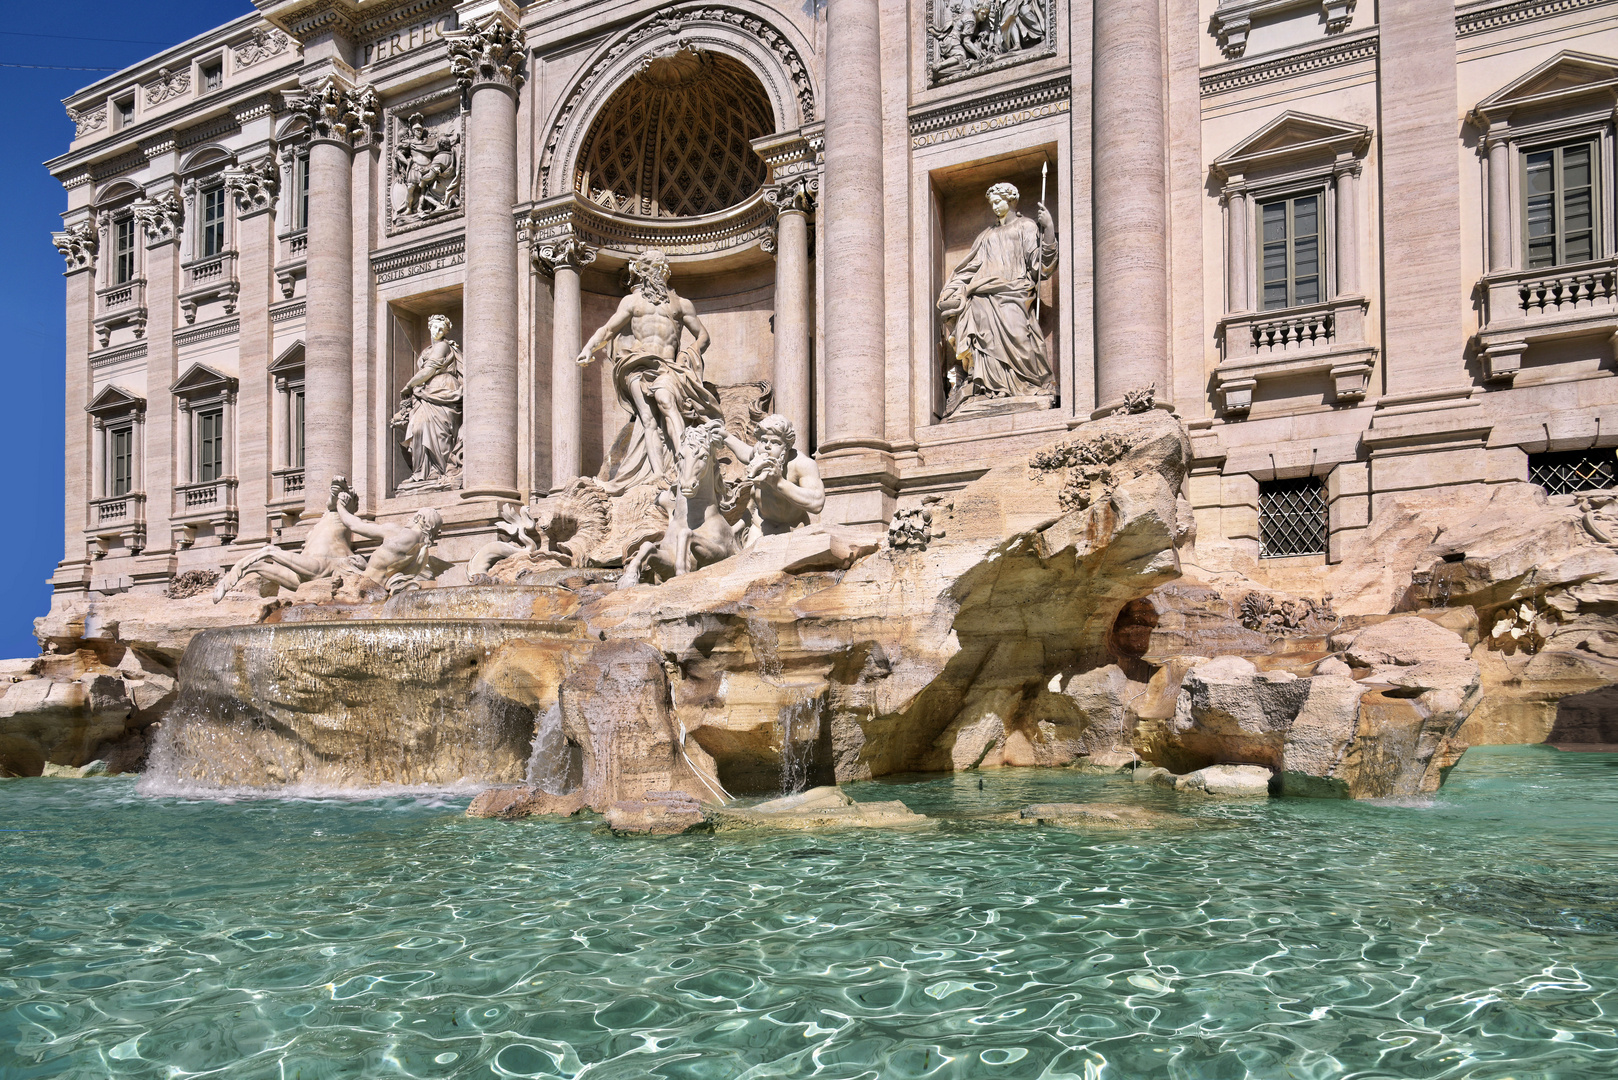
290	362
201	381
115	401
1290	140
1561	81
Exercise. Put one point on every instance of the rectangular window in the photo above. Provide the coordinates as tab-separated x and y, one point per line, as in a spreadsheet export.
120	461
1291	251
1568	471
213	76
123	250
296	419
1559	185
213	222
210	445
1291	517
126	111
300	189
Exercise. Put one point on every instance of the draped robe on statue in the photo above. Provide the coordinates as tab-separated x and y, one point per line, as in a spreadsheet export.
628	463
994	335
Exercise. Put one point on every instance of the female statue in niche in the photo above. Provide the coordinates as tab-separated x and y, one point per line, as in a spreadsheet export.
987	305
431	411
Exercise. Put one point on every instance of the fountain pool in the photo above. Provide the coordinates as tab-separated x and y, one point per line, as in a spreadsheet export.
1473	936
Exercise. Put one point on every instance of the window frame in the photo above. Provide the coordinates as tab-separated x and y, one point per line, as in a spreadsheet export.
112	485
208	468
206	192
1326	288
1324	541
1598	215
120	118
125	266
214	65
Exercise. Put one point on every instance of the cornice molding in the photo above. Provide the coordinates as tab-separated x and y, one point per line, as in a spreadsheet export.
108	357
1350	49
962	119
207	332
1482	18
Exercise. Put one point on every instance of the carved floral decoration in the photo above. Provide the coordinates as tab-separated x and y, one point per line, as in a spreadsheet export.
254	185
265	43
160	217
78	245
489	52
335	111
565	249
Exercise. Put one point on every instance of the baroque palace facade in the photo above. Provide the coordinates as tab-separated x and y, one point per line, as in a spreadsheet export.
1363	249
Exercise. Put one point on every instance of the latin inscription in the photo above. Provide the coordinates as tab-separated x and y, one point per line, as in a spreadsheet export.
410	38
993	123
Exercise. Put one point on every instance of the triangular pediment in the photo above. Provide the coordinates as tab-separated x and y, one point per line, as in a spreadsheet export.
1293	135
290	360
114	399
200	379
1564	77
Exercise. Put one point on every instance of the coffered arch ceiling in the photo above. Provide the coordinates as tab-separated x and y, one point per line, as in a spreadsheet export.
674	140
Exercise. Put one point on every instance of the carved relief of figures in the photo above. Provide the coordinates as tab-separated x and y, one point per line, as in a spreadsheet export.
996	347
657	373
430	414
968	36
427	165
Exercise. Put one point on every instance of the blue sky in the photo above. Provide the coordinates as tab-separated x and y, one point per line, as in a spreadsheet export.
96	34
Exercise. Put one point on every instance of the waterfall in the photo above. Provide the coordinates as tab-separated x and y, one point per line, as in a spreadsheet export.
800	728
555	766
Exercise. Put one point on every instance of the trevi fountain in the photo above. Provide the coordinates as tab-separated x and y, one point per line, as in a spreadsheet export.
675	773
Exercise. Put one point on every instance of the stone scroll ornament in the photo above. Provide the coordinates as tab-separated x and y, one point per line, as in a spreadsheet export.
989	307
427	164
489	52
78	244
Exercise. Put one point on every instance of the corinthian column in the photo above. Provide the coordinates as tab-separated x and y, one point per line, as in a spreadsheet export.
1131	202
793	201
488	59
855	349
563	258
338	115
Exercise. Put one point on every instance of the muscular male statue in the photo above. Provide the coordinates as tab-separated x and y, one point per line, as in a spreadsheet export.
658	376
786	485
328	547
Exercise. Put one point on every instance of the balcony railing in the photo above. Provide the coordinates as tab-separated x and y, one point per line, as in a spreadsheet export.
288	484
1326	340
118	517
1294	331
208	279
118	305
1521	307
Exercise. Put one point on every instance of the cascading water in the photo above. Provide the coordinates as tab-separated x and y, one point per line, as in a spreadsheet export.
800	727
555	766
331	707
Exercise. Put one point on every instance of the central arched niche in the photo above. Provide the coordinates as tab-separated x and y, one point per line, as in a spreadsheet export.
675	140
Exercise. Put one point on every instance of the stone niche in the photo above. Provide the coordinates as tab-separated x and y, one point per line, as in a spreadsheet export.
407	336
958	212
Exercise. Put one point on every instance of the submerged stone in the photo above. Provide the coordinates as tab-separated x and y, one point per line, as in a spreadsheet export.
1103	816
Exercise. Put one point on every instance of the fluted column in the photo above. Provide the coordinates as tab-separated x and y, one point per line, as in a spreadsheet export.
1131	202
855	323
338	114
488	59
563	258
1499	205
793	200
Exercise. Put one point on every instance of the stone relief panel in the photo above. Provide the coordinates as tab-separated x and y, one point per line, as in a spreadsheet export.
87	121
970	37
425	140
265	44
169	85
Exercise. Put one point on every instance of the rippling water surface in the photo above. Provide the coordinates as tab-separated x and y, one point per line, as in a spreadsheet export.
1476	936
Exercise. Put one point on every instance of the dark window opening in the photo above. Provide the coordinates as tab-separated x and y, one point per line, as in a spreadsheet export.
210	445
1291	242
123	251
213	76
120	461
1291	517
213	222
1565	472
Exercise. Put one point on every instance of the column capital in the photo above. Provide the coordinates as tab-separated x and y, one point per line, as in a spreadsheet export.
566	249
78	244
490	49
160	218
1347	166
794	194
254	185
339	112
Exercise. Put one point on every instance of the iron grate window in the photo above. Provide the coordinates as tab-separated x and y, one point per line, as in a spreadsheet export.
1573	470
1291	517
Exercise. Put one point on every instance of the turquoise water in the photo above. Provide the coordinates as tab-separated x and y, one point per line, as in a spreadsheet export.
1473	937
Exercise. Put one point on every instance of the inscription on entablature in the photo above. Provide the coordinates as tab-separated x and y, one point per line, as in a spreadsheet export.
418	35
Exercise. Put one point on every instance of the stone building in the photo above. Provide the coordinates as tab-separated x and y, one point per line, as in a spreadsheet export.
1363	249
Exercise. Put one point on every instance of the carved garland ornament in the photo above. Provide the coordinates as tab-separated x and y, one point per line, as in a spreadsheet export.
265	43
489	52
672	23
87	120
78	245
338	112
160	218
169	85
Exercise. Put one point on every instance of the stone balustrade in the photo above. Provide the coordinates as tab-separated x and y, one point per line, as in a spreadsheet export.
1521	307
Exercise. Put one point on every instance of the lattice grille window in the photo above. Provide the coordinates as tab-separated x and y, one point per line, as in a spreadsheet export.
1573	470
676	140
1291	517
